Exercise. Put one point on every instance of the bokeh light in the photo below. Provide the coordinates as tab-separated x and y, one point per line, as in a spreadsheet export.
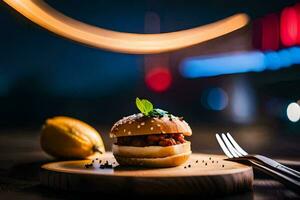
239	62
243	102
217	99
270	32
293	112
289	26
56	22
158	79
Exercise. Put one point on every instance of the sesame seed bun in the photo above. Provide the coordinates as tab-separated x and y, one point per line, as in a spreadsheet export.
170	161
138	124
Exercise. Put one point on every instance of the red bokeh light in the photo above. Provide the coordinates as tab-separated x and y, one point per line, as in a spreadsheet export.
270	32
266	33
289	26
297	8
158	79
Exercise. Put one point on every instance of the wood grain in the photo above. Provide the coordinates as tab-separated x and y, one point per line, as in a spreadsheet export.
210	176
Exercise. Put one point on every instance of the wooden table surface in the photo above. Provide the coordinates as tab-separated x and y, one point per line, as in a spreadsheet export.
21	158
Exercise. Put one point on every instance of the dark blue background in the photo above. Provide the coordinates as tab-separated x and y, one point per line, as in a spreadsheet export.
42	74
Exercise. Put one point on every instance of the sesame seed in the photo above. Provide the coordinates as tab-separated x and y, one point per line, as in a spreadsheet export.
130	122
158	125
124	130
129	132
151	128
138	126
143	123
163	131
152	121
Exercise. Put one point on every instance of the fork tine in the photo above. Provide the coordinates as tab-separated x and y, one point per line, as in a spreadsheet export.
233	151
235	144
223	146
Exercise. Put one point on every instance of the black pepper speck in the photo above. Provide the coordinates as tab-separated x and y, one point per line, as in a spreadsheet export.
222	165
189	165
205	164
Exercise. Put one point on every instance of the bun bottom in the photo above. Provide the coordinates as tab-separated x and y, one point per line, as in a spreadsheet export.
151	151
170	161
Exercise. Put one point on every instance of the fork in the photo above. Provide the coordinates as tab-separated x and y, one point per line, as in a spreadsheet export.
284	174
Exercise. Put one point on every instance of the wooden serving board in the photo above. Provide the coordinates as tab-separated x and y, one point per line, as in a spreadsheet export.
202	174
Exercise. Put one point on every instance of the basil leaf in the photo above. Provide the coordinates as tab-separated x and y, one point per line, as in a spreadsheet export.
139	105
147	109
148	106
144	106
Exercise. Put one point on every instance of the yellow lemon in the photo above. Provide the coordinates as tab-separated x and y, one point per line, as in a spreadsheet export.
66	137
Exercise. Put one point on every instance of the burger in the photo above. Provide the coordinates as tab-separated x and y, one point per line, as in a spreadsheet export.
152	138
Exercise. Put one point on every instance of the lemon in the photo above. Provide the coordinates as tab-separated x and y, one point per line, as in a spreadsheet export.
66	137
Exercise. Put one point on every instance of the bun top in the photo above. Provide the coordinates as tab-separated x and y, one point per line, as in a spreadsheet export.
138	124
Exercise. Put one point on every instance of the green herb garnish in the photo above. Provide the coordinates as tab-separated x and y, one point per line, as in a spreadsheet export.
146	107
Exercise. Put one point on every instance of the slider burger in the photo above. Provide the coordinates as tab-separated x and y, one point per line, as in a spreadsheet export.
152	138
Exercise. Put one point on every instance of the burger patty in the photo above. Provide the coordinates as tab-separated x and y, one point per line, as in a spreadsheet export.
151	140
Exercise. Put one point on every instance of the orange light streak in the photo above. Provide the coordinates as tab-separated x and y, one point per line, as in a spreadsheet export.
49	18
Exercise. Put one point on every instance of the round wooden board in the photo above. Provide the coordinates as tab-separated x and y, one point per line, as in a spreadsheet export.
202	174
